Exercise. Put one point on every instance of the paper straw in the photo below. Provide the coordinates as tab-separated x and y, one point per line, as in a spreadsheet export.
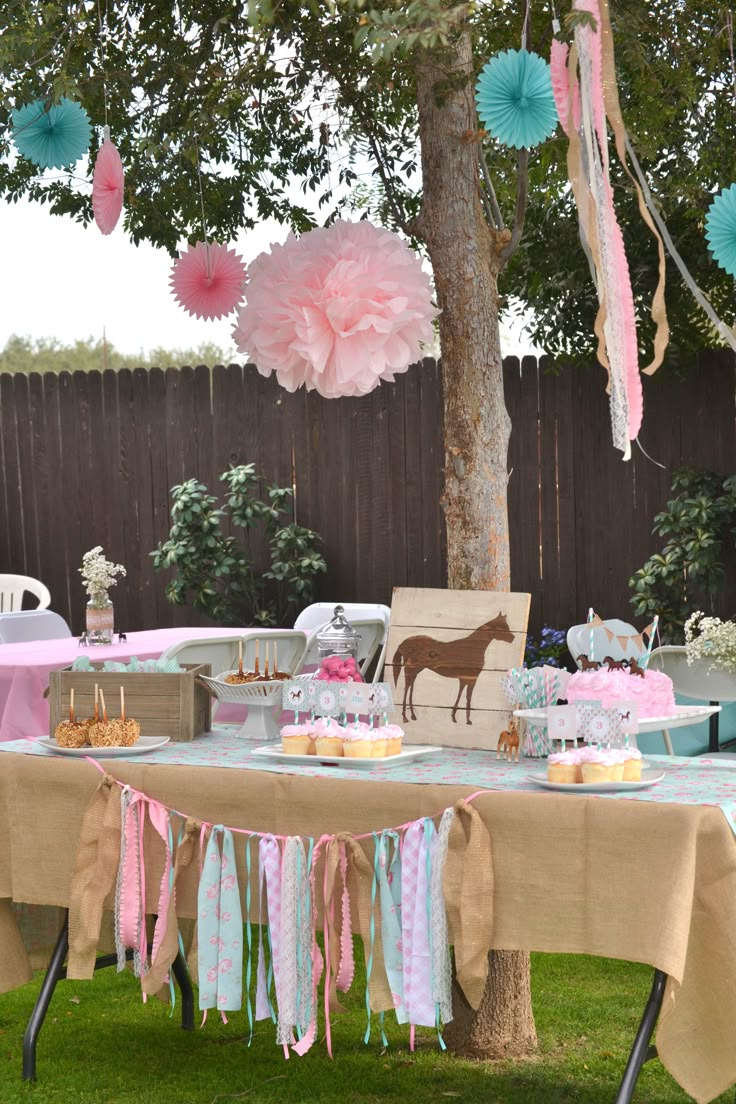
265	669
71	704
122	703
591	644
653	633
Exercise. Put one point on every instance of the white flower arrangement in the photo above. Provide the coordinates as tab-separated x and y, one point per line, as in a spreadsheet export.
99	573
711	638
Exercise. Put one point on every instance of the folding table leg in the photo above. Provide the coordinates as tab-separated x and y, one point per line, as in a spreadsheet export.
641	1051
57	970
54	972
183	980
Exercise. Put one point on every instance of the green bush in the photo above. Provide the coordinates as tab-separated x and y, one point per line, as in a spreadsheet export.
217	573
699	527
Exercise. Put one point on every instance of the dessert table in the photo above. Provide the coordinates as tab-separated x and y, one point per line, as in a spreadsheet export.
24	671
647	877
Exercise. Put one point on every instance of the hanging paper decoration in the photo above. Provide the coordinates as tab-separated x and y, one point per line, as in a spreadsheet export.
600	233
107	185
514	99
337	310
720	229
53	138
208	280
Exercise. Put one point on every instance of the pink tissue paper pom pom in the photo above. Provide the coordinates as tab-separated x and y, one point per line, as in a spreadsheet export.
337	310
208	280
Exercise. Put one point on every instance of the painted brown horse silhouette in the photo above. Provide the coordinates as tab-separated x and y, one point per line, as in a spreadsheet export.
461	659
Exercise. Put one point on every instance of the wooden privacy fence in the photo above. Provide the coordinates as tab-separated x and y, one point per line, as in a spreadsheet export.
89	458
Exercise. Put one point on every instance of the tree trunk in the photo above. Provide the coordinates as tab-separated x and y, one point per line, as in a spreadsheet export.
465	255
466	263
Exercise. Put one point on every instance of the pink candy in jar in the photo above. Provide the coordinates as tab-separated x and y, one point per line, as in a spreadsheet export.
339	669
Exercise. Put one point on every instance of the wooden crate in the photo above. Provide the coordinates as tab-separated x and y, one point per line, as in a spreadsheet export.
173	705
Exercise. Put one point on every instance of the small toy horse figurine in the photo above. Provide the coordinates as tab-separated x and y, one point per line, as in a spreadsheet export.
587	664
635	669
508	743
616	664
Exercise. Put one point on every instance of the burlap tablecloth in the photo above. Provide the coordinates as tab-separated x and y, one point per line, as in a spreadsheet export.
652	883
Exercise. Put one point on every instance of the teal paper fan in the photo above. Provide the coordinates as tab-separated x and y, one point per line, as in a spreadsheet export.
514	99
720	229
55	138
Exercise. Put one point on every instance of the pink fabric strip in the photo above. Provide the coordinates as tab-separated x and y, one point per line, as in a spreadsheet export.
130	904
310	1035
159	817
346	970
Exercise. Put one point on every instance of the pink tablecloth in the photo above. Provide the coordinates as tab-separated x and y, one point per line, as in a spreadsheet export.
24	672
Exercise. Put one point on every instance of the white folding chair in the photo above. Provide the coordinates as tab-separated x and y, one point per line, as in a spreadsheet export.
578	640
221	652
13	587
696	681
38	624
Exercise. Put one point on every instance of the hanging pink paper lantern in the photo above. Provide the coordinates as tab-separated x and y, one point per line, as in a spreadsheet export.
208	280
337	310
107	185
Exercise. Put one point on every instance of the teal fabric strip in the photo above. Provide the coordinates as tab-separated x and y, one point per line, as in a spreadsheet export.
429	832
369	965
170	840
249	939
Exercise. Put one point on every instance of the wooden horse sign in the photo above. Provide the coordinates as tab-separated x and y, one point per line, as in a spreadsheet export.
448	650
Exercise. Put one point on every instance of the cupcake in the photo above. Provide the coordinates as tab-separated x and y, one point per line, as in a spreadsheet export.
394	735
328	737
562	766
602	766
296	739
632	764
357	742
379	743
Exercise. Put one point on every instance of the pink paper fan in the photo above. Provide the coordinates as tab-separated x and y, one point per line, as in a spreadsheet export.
107	186
561	86
208	280
337	310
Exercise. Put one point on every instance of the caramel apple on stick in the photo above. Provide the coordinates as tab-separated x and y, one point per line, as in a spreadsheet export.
71	706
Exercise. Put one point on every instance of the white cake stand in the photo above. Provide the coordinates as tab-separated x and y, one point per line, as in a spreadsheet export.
263	700
683	715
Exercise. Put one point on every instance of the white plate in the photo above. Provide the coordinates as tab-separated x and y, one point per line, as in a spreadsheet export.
145	743
275	751
683	715
648	778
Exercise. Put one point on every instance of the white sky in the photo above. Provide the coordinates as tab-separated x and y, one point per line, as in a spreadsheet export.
60	280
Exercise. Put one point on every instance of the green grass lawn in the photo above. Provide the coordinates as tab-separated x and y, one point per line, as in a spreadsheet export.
101	1045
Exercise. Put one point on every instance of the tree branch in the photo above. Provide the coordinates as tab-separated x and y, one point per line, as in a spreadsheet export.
522	191
490	202
388	187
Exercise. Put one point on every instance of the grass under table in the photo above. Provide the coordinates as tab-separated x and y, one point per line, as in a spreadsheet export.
101	1045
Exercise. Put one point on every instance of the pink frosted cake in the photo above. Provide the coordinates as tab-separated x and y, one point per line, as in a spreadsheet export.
653	694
